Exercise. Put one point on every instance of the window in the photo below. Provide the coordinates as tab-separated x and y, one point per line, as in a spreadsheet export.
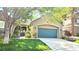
2	23
77	20
77	10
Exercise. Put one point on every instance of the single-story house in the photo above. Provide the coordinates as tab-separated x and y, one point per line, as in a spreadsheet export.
45	28
42	27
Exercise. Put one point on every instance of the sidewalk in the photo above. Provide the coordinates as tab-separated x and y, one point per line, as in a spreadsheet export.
74	37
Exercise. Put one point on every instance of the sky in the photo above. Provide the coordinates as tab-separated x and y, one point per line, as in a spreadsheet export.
36	14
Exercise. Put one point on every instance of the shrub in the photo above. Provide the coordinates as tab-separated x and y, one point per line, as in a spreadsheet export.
67	33
1	39
77	34
28	35
64	38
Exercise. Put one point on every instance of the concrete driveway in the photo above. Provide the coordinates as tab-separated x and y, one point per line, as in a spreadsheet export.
60	44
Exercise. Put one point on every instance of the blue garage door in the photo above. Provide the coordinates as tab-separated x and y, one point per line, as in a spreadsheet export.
47	33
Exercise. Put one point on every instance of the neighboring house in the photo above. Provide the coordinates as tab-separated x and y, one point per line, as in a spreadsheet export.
45	28
67	24
72	24
2	23
2	28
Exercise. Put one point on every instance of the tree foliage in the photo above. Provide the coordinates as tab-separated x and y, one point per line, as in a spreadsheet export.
56	13
10	16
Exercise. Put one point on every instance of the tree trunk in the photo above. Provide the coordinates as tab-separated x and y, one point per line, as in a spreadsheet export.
6	34
12	29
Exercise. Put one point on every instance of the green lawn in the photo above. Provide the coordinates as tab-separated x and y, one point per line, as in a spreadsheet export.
24	45
77	41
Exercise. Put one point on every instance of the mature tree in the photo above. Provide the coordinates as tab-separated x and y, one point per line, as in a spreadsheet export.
10	15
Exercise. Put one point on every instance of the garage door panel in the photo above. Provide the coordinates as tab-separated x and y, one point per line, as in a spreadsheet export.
47	33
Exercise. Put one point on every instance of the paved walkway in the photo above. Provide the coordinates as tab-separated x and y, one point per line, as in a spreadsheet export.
60	45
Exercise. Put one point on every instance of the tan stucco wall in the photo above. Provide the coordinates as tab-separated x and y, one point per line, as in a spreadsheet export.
40	22
44	22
